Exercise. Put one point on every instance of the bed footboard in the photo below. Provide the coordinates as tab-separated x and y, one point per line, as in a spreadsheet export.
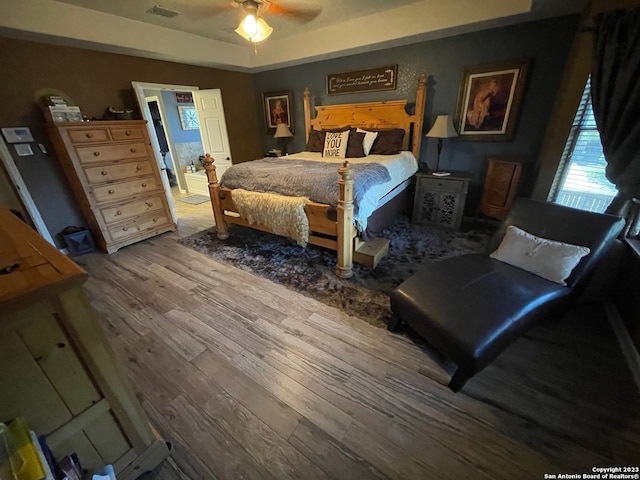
344	269
214	193
334	231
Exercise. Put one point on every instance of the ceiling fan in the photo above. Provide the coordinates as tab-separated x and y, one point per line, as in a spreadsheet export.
253	26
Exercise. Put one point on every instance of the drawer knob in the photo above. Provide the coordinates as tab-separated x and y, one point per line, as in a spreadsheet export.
138	167
103	172
124	229
440	184
155	219
112	191
128	133
119	212
89	135
144	185
149	204
133	150
96	154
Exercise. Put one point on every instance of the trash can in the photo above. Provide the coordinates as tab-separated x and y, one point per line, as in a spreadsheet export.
78	240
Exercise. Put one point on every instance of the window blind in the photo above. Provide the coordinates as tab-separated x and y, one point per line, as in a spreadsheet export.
580	180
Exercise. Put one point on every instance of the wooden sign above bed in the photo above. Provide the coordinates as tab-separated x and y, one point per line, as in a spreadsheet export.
371	80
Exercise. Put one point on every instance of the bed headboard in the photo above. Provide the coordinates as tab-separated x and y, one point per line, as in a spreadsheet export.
389	114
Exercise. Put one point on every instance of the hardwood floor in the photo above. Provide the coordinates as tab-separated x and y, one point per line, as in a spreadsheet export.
250	380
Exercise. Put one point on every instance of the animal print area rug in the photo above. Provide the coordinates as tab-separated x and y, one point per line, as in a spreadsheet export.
310	270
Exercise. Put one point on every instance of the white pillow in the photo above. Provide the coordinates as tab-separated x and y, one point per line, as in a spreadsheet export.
335	144
369	138
546	258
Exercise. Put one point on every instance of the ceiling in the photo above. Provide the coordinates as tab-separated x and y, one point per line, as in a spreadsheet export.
304	30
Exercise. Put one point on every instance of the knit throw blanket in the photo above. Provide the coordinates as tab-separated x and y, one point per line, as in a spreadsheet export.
318	181
284	216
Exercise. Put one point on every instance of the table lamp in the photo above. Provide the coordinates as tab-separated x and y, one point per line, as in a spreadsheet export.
442	128
282	133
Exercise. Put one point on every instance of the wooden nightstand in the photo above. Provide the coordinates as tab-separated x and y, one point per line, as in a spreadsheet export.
440	200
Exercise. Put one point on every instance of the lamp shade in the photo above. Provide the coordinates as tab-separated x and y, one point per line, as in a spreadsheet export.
443	128
254	29
282	131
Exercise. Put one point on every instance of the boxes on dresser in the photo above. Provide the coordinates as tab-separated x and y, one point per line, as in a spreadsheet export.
115	178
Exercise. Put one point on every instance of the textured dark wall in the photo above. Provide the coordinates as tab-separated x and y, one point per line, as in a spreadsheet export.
96	80
545	42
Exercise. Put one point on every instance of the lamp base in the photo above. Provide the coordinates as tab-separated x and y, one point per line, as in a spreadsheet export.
282	145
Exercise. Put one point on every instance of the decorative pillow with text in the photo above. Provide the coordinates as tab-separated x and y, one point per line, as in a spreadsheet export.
335	144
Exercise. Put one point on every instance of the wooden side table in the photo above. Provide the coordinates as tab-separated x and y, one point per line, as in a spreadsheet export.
57	368
440	200
500	188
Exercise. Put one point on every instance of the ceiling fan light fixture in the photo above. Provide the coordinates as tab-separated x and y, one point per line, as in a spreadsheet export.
254	30
250	25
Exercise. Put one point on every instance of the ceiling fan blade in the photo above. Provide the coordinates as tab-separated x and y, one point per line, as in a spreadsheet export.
301	15
195	10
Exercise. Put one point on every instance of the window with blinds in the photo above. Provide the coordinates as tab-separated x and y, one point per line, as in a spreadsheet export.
580	181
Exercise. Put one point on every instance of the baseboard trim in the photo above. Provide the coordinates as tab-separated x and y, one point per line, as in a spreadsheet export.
627	346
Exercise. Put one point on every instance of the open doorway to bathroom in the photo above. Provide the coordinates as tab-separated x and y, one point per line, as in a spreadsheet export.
179	145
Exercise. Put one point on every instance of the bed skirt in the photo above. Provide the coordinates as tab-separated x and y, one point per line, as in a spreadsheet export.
387	213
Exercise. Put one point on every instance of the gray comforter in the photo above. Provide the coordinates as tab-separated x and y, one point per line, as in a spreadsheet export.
318	181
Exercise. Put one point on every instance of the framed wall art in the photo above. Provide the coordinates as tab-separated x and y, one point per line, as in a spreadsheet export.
370	80
489	100
184	97
188	118
277	109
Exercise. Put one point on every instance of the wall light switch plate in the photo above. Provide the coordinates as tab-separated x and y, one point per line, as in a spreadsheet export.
23	149
17	134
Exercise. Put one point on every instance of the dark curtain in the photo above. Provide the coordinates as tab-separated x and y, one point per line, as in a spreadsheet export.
615	92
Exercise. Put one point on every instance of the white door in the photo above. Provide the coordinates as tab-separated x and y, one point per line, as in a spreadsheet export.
213	128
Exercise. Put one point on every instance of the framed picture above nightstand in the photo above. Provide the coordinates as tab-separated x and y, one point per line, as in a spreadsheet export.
440	200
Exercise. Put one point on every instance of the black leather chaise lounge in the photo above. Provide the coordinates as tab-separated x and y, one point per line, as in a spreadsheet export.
472	307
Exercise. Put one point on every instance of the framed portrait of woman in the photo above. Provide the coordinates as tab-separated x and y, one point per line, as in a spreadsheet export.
277	109
489	100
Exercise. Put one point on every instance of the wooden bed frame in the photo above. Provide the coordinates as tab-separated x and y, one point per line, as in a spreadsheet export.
325	229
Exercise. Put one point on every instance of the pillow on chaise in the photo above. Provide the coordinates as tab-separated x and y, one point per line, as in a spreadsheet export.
546	258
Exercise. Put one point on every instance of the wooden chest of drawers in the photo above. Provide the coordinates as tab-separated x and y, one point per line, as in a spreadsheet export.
115	178
500	188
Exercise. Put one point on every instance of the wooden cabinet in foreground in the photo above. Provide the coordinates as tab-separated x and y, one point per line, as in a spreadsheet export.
57	369
115	179
500	188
